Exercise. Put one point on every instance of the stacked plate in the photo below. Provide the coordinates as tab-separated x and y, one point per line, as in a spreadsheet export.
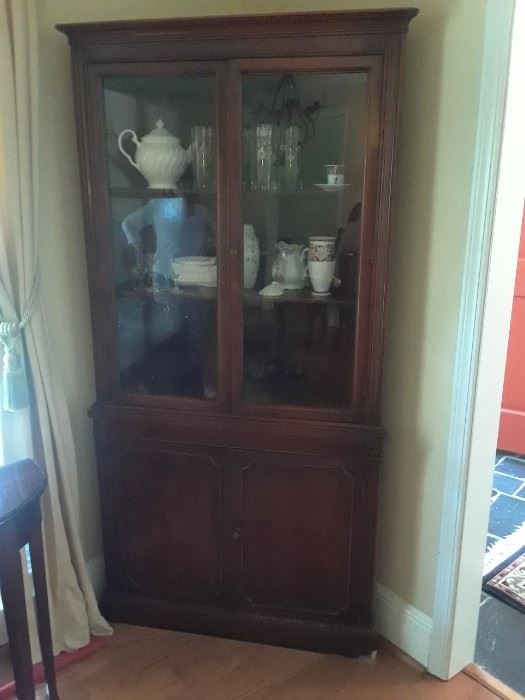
196	271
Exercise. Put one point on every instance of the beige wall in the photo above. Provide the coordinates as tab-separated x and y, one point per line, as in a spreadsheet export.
442	78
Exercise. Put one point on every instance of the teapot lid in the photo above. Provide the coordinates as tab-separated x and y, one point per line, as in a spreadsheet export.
159	133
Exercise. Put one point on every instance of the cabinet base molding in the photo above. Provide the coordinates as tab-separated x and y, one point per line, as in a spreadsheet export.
342	638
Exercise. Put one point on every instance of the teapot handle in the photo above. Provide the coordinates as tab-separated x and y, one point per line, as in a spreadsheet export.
135	141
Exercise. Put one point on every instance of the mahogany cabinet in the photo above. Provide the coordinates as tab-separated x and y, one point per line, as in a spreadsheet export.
237	178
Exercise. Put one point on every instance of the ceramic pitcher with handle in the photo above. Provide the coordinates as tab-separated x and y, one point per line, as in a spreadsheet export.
289	268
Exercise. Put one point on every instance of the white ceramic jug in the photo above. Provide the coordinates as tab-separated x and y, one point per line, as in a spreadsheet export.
289	267
159	157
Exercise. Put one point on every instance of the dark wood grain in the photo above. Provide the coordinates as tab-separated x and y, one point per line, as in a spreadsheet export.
293	558
229	27
21	485
13	598
250	296
250	521
327	636
358	441
38	567
170	533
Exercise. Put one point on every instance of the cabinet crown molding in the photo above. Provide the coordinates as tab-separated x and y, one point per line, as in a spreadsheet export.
234	26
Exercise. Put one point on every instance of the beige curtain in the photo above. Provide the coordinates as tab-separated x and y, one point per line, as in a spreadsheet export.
73	608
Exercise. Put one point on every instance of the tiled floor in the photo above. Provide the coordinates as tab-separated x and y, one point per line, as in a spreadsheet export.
500	646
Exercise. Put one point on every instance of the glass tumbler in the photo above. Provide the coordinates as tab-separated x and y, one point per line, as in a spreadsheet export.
202	156
264	156
290	147
247	158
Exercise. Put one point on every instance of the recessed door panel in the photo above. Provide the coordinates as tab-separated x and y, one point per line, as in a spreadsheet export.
170	521
296	535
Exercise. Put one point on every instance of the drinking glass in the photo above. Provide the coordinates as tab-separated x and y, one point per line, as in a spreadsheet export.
202	152
290	147
264	154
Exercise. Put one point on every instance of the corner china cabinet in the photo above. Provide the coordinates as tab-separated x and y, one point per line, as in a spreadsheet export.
237	177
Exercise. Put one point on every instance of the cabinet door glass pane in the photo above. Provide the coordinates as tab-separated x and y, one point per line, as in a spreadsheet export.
304	140
164	231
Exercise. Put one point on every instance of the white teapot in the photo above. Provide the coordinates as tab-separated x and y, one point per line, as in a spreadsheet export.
159	157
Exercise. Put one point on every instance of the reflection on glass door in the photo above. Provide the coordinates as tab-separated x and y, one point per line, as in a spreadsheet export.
303	143
161	158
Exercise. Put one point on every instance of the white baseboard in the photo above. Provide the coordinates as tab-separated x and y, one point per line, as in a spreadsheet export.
97	574
402	624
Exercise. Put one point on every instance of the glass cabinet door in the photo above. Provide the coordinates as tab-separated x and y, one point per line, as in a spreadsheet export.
161	154
304	139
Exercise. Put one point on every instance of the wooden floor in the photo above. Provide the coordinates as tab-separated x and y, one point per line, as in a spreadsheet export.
146	664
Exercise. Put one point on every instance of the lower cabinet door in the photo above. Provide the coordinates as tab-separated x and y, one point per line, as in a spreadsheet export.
166	529
307	535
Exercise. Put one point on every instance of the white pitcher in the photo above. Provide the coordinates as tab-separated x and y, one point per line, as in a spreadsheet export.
289	268
159	156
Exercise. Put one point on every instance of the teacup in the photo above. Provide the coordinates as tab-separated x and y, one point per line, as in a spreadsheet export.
321	263
335	174
321	248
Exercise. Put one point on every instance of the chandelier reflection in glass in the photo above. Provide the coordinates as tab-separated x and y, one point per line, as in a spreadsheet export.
273	141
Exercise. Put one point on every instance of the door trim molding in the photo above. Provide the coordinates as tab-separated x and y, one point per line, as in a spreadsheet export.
454	619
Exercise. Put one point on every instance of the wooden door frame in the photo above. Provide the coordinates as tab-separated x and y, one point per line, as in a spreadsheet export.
493	235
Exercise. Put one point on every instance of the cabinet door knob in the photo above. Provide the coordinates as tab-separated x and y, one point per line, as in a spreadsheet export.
237	534
233	252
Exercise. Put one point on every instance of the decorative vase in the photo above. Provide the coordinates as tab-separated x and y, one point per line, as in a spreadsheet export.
321	263
159	156
252	256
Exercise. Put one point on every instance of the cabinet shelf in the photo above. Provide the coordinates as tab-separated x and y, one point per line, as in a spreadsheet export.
299	296
251	296
147	193
308	192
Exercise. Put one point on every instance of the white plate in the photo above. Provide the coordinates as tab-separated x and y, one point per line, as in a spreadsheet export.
332	188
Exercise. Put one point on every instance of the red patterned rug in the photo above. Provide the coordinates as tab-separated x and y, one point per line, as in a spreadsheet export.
7	691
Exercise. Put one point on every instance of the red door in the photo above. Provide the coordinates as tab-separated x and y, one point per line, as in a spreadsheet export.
512	418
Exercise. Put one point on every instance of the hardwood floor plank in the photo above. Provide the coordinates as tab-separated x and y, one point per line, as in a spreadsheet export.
140	663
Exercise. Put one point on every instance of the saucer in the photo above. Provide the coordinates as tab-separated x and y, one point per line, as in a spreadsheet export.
332	188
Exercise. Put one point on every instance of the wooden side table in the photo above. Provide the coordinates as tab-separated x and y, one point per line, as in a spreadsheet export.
21	485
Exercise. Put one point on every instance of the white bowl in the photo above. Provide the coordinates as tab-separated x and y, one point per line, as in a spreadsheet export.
195	271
